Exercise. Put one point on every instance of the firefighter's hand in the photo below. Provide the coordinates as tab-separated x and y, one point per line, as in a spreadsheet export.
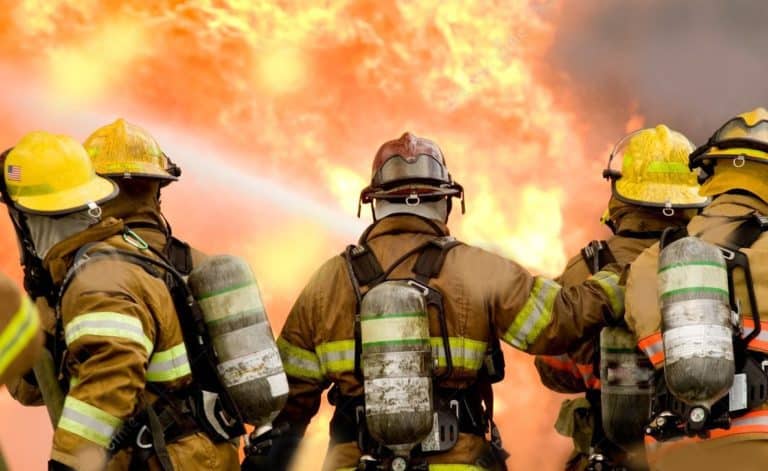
272	450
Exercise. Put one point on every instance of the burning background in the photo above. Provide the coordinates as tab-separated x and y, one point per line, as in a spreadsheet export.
275	109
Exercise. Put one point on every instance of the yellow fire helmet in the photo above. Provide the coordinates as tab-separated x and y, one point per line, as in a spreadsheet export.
654	170
744	137
51	174
124	150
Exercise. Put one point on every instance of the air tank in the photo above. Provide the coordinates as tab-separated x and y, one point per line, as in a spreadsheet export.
696	324
396	362
249	363
626	386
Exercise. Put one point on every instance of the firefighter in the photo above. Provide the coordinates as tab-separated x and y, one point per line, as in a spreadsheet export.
730	432
653	191
20	336
125	360
474	298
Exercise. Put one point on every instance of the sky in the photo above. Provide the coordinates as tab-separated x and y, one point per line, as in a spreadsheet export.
275	110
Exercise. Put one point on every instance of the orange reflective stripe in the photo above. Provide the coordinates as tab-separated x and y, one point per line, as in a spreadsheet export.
751	422
759	343
653	348
562	363
588	375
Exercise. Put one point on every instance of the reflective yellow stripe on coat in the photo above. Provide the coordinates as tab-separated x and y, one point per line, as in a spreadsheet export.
18	333
88	421
609	282
107	324
535	315
298	362
169	365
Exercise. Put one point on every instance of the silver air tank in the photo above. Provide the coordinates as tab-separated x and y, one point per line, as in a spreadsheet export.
696	325
249	363
397	365
626	386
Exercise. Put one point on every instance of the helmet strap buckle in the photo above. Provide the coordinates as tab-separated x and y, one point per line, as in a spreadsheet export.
412	200
739	161
668	210
94	211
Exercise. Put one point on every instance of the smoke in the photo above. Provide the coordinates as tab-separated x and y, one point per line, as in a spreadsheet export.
689	64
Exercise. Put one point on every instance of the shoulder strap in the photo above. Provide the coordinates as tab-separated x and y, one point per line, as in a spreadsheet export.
596	255
744	236
431	259
194	331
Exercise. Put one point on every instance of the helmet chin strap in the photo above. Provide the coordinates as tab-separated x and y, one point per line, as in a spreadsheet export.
437	210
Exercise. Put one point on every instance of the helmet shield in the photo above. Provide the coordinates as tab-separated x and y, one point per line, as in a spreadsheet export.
398	169
744	137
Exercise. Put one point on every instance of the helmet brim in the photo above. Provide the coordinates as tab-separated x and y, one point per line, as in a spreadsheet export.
423	190
98	190
658	195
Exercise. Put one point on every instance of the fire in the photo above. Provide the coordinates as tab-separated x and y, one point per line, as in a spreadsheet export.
84	71
303	95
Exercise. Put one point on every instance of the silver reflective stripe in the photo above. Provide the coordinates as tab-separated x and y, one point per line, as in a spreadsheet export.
107	324
535	315
298	362
87	421
169	365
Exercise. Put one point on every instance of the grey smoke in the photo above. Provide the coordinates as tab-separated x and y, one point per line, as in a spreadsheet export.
689	63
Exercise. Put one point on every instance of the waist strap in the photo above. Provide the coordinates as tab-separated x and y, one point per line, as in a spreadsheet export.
347	418
751	422
147	433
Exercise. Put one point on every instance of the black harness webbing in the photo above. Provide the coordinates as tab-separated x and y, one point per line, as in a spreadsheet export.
743	236
200	355
596	255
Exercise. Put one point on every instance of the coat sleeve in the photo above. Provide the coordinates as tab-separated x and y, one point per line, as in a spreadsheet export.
297	345
306	378
564	373
538	315
20	336
109	331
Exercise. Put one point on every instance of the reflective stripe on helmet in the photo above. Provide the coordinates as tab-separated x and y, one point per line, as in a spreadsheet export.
535	315
107	324
609	282
299	363
169	365
751	422
88	421
653	347
18	333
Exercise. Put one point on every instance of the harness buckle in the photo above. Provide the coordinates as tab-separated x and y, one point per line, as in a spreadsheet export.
419	286
453	404
144	429
727	253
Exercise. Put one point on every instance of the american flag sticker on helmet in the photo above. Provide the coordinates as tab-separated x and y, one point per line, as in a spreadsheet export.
14	173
